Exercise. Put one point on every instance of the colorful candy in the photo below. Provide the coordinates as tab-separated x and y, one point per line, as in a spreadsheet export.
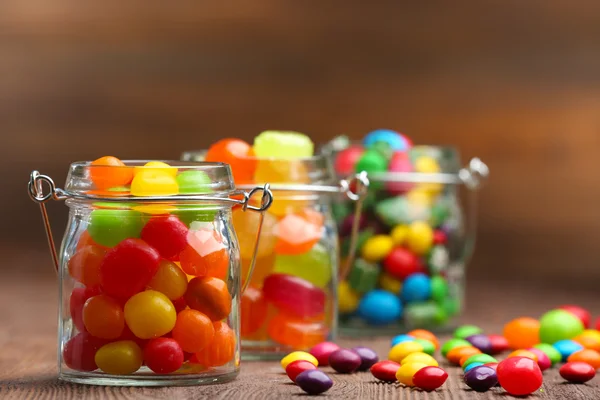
104	174
577	372
80	351
385	370
119	358
167	234
253	311
163	355
323	350
298	355
313	266
428	347
402	338
297	332
314	382
581	313
297	367
379	307
522	333
452	344
401	350
238	154
419	357
480	341
477	358
345	361
542	358
170	280
406	373
430	378
567	347
553	354
499	344
524	353
103	317
589	338
84	265
286	145
150	314
294	295
108	227
519	376
588	356
464	331
481	378
368	357
456	354
205	254
193	330
558	325
210	296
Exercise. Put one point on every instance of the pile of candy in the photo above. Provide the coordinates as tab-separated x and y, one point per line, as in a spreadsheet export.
404	272
151	280
290	298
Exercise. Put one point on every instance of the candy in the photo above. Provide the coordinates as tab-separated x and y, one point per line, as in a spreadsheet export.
345	160
425	314
558	325
471	366
589	338
322	351
430	378
314	382
368	357
420	237
109	227
194	182
581	313
417	287
566	348
298	355
456	354
480	341
76	302
425	334
499	344
119	358
238	154
401	263
401	210
108	171
577	372
464	331
379	307
84	265
297	332
524	353
221	349
387	282
253	312
406	372
103	317
439	289
297	367
519	376
294	295
401	350
205	254
372	162
419	357
210	296
399	162
313	266
286	145
167	234
553	354
363	276
428	347
345	361
170	280
399	234
385	370
193	330
542	358
348	299
163	355
150	314
246	227
452	344
80	351
481	378
297	233
128	268
522	333
477	358
401	339
376	248
395	140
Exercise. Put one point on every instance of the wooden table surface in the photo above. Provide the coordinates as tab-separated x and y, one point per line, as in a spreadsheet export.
28	349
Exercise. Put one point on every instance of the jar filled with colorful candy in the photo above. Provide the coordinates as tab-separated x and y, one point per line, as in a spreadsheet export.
149	271
291	300
415	234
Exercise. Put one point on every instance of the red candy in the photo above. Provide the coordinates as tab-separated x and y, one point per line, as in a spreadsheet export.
499	344
581	313
295	368
163	355
78	298
598	324
430	378
168	235
519	376
128	268
577	372
79	353
385	370
322	352
294	295
439	237
543	359
346	160
401	263
179	304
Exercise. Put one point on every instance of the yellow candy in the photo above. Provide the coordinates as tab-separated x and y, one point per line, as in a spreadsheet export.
119	358
154	183
420	357
427	165
298	355
589	338
420	237
348	299
389	283
150	314
401	350
399	234
406	372
156	166
377	247
421	196
284	171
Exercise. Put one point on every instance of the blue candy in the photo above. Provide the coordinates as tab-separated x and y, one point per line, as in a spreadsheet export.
471	366
395	140
567	347
379	307
417	287
401	339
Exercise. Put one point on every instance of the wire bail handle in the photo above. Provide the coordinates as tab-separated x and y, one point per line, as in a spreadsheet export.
37	194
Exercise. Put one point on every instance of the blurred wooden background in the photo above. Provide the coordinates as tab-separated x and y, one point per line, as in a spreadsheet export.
516	83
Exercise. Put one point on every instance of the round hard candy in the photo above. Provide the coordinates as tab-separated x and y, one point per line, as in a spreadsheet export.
417	287
395	140
401	350
522	333
453	343
298	355
380	307
420	357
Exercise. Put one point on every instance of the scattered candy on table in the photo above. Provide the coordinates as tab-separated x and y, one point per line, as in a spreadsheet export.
345	361
314	381
481	378
577	371
519	376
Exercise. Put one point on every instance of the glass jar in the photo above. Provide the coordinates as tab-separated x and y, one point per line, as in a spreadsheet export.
149	272
413	244
291	301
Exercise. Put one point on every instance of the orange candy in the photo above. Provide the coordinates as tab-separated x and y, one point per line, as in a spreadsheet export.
262	268
590	339
296	332
193	330
425	334
205	255
588	356
108	171
221	349
238	154
103	317
522	333
209	296
86	240
253	311
457	353
84	265
524	353
298	233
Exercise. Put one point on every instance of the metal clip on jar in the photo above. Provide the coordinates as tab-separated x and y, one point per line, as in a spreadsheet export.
149	272
413	244
291	302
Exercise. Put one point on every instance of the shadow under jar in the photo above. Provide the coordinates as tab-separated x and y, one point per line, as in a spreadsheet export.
149	272
413	244
291	301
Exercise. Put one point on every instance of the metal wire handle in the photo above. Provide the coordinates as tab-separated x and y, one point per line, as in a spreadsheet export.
36	192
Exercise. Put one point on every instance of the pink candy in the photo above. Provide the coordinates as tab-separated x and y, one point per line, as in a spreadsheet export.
322	351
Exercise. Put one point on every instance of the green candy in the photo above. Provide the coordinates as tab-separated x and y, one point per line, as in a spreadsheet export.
479	358
428	347
439	213
110	227
384	149
464	331
114	205
196	213
313	266
426	314
372	162
558	325
194	182
453	343
398	210
553	354
363	276
439	288
451	305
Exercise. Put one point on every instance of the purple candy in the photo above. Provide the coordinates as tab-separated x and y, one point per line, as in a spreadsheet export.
314	381
345	361
482	378
482	342
368	357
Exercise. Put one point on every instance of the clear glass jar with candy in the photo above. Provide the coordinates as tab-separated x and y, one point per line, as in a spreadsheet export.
415	234
291	301
149	271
